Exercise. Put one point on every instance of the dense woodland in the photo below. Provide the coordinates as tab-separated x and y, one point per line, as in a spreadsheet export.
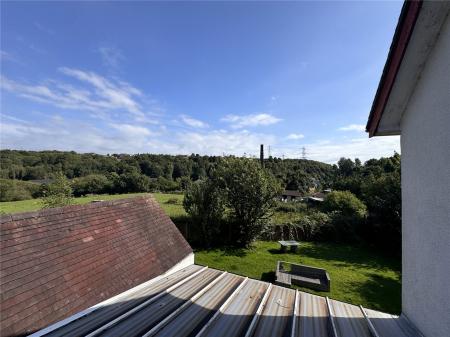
95	174
365	203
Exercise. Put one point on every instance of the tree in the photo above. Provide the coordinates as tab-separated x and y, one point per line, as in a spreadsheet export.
58	193
250	193
91	184
204	202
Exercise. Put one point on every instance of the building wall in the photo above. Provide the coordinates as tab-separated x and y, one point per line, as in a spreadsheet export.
425	142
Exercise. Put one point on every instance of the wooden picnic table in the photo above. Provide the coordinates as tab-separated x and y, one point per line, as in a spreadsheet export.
291	244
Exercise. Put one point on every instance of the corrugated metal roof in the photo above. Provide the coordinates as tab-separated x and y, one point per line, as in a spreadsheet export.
200	301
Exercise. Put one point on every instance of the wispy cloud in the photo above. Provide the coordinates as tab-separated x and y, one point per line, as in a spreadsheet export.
295	136
131	130
330	151
218	142
91	92
111	56
238	122
44	29
192	122
353	127
125	138
135	138
5	56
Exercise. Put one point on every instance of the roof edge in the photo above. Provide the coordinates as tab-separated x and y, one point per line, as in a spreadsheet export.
405	26
61	210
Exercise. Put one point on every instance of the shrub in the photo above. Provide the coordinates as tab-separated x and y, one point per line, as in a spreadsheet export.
290	207
58	193
14	190
204	203
347	212
91	184
172	201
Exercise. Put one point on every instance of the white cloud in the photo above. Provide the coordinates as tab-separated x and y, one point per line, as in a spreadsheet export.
56	133
353	127
94	93
295	136
192	122
131	130
111	56
238	122
218	142
363	148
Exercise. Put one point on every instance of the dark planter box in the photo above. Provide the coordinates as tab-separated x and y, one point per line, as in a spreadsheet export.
302	276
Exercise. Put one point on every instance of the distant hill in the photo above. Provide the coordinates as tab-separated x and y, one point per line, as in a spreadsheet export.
167	171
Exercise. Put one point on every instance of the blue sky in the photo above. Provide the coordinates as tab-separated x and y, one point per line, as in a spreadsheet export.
206	77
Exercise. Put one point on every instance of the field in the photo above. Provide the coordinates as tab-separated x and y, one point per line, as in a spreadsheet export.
358	275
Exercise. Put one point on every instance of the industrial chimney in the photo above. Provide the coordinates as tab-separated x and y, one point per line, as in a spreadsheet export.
261	155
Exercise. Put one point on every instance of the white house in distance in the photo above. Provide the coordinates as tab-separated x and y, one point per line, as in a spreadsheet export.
413	100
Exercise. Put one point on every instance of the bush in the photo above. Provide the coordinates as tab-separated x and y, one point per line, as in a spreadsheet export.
290	207
314	226
172	201
348	214
14	190
204	203
91	184
345	203
58	193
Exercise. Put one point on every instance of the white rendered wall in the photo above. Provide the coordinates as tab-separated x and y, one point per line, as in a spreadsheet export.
425	142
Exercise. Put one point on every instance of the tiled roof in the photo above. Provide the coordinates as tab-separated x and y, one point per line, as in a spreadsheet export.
202	302
57	262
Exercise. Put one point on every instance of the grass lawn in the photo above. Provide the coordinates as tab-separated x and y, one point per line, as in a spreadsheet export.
358	275
174	210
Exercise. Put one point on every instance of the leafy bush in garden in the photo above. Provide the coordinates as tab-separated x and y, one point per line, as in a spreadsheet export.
204	202
289	207
348	215
58	193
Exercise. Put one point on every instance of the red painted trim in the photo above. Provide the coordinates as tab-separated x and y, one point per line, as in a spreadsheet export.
405	26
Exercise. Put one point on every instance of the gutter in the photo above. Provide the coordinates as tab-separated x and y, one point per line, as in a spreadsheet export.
405	26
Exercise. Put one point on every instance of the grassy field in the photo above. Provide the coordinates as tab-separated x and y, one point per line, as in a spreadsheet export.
36	204
358	275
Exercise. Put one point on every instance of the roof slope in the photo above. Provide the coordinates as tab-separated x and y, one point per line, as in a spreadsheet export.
57	262
199	301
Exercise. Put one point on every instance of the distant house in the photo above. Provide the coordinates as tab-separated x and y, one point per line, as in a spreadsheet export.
290	195
413	100
319	196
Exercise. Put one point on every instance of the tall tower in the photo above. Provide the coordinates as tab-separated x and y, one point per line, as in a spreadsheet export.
303	152
261	155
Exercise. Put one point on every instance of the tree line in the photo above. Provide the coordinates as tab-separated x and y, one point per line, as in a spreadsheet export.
120	173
